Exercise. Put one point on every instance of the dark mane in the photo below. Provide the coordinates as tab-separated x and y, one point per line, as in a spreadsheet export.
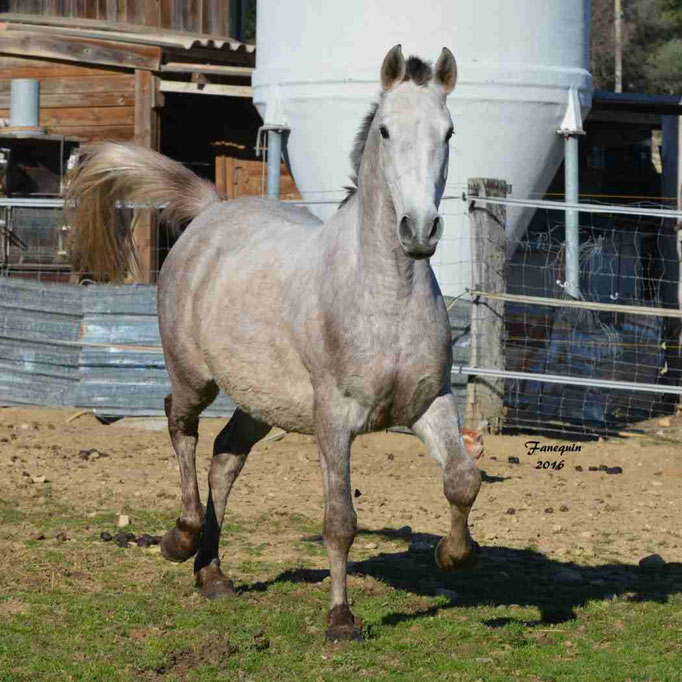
420	73
358	150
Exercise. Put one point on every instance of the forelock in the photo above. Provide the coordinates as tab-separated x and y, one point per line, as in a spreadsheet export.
418	71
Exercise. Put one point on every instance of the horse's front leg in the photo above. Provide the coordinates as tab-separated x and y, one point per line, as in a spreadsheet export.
340	522
439	429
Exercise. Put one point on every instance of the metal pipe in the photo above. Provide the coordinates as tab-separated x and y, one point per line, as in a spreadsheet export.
592	382
572	230
24	103
274	163
583	305
562	206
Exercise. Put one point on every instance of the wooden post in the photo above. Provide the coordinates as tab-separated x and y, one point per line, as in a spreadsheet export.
230	192
220	173
485	394
146	135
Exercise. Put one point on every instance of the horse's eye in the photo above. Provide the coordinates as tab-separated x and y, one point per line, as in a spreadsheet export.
448	135
384	132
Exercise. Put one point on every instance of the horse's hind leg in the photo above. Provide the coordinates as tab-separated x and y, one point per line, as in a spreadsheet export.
183	407
230	450
439	429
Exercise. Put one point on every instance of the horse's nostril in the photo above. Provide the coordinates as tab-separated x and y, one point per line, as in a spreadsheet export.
434	228
405	230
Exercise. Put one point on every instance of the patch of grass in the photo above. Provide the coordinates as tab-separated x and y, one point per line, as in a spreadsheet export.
87	610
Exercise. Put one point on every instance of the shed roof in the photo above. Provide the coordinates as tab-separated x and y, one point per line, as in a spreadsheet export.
127	45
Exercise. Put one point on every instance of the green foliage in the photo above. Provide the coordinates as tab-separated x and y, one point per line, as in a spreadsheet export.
652	47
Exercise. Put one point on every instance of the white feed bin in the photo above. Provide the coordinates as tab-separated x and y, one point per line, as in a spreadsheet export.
317	69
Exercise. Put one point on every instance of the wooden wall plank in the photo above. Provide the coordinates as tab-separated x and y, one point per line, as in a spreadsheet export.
186	15
165	13
76	117
80	50
177	21
223	28
101	13
91	134
152	13
89	84
84	99
87	116
121	13
112	11
136	12
88	9
210	16
25	67
26	6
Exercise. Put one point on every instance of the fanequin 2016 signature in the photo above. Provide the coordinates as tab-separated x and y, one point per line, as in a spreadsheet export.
533	446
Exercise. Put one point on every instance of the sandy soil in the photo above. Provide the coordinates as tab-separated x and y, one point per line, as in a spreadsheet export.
585	516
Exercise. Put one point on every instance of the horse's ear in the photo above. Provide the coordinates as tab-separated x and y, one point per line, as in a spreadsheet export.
445	71
393	68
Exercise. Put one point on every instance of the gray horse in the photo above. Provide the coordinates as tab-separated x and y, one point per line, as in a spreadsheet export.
331	329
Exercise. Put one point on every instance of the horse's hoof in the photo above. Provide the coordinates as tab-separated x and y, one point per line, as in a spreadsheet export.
343	625
181	542
213	583
450	557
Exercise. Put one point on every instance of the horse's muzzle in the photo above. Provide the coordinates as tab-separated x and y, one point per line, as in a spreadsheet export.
419	236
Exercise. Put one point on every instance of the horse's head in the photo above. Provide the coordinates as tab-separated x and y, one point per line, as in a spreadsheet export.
413	122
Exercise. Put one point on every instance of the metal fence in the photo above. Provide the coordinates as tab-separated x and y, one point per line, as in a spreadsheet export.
608	358
594	364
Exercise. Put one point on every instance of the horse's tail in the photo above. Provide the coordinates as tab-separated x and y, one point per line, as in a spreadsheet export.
115	173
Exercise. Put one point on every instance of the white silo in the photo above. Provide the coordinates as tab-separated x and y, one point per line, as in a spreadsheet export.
317	66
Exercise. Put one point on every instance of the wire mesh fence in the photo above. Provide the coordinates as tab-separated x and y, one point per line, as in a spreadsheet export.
621	336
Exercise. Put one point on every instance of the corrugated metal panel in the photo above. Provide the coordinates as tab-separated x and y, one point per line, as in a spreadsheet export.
45	358
33	368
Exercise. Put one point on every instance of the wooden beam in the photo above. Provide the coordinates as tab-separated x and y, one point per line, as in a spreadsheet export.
146	135
207	89
485	395
214	69
84	50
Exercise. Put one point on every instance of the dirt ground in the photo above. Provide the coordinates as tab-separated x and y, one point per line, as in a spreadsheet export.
584	516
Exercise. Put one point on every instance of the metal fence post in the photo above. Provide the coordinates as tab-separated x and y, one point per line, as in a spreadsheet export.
274	163
485	394
571	128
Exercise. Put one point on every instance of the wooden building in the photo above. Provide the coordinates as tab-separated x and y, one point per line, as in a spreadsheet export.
165	74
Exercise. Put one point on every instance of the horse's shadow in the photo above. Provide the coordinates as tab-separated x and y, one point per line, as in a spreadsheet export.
504	576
